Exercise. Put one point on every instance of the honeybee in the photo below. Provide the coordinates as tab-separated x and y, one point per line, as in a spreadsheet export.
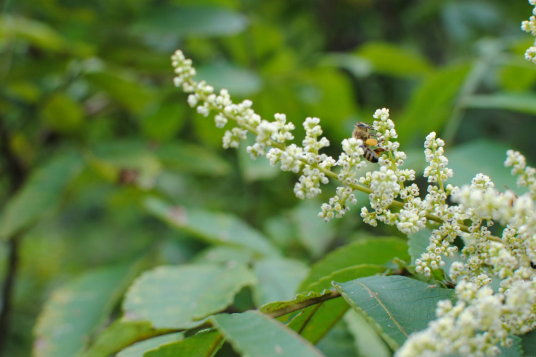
364	132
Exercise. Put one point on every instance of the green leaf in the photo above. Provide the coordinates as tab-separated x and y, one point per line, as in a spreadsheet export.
516	102
139	349
239	81
35	32
314	234
62	114
74	311
277	279
120	335
192	159
203	344
215	228
298	299
418	242
528	343
338	342
368	251
180	296
391	59
367	341
396	305
491	156
127	91
315	321
40	194
258	169
164	122
224	255
434	98
519	75
256	335
191	21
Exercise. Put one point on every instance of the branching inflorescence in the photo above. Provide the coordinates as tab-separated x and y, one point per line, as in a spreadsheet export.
481	318
530	27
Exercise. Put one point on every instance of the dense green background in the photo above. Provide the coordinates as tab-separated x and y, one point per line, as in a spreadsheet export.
92	129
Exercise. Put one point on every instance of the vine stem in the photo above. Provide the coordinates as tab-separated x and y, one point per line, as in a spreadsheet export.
333	175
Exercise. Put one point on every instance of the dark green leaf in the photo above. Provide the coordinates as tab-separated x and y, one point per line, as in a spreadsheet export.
40	194
338	342
62	114
216	228
491	156
314	234
165	122
191	21
517	102
125	90
238	81
256	335
528	344
278	279
396	306
432	102
315	321
192	159
391	59
367	341
180	296
74	311
119	335
139	349
368	251
204	344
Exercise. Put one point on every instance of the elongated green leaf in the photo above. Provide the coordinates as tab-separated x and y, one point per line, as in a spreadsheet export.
434	98
139	349
239	81
397	306
35	32
216	228
491	156
204	344
517	102
191	21
418	242
338	342
164	122
178	296
126	91
315	321
120	335
248	334
367	341
369	251
192	159
313	233
74	311
277	278
391	59
41	193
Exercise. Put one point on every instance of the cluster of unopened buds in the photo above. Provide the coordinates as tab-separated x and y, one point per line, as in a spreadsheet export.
530	27
480	319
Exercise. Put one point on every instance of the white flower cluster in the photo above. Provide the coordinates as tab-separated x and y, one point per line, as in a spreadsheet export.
529	26
482	319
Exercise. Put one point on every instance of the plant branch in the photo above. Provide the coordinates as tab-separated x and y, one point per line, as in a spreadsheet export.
333	175
17	175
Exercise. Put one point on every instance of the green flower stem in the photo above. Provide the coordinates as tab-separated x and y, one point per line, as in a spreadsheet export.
334	176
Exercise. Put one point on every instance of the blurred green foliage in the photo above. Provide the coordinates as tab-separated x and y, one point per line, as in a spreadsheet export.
99	150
